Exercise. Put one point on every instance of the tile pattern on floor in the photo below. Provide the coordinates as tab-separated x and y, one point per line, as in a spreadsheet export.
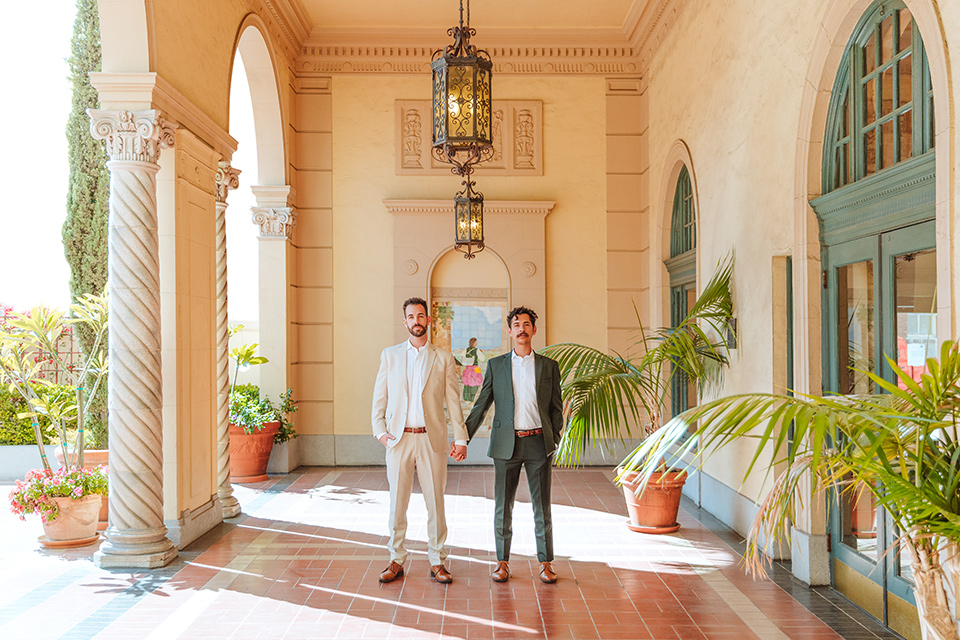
303	559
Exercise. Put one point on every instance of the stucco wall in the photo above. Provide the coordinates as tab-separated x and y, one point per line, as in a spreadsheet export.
364	176
728	82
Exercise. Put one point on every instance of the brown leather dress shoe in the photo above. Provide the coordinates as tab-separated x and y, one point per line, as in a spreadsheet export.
546	573
392	572
502	572
439	573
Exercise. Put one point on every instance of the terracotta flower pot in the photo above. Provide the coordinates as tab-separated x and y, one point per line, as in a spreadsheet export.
77	521
250	452
93	458
656	510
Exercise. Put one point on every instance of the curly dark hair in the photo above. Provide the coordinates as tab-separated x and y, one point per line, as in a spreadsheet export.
414	300
518	311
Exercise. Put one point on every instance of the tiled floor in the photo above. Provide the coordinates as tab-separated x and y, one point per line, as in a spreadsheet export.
303	560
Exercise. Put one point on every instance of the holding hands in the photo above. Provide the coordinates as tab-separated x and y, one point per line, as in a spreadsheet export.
458	452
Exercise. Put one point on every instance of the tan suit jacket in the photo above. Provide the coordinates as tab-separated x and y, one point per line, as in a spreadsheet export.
440	382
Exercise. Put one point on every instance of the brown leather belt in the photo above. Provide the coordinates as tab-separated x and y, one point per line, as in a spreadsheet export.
415	430
527	434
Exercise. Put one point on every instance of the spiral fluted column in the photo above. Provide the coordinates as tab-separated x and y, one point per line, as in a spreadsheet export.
136	536
227	179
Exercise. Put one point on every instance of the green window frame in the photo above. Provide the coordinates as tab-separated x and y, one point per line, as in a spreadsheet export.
887	117
683	225
682	267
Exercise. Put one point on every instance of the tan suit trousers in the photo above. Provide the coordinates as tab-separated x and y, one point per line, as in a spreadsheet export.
414	450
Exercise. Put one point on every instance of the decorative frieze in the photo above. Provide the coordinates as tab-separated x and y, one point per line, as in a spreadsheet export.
517	139
360	57
275	222
467	293
134	136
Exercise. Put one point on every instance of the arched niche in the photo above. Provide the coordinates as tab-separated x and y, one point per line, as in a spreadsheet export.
514	237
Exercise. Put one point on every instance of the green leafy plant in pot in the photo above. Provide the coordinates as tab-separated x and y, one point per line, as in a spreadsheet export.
902	447
255	423
608	395
28	346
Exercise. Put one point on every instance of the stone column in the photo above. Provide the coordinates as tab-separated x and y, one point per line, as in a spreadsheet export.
227	179
275	220
136	536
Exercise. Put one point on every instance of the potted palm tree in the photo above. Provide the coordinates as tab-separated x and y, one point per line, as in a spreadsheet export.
608	395
902	446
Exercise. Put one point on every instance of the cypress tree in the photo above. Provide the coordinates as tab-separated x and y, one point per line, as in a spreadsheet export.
86	226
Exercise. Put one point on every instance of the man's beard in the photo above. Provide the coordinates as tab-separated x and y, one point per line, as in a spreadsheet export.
417	330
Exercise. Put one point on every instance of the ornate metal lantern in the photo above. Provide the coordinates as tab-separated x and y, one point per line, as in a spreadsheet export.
462	103
463	125
468	218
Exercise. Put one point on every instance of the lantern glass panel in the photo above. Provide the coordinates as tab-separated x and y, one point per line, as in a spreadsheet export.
439	91
460	101
476	220
462	214
484	105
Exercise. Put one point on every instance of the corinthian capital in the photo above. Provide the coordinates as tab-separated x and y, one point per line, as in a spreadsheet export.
275	223
228	179
132	135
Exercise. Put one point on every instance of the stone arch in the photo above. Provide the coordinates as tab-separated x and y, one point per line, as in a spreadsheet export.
263	79
677	158
126	36
486	253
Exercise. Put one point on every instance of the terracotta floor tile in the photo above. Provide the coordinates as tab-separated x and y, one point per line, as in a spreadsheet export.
303	561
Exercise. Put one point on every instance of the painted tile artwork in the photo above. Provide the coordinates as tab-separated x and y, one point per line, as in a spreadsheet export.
475	331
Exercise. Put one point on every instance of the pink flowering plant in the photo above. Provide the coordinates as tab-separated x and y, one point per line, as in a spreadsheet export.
35	493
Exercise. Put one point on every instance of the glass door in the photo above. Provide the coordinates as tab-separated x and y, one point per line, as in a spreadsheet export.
879	302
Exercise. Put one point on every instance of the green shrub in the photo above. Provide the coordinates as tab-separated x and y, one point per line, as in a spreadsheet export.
15	430
250	411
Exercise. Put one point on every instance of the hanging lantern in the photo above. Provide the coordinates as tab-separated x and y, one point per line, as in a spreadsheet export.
462	101
468	218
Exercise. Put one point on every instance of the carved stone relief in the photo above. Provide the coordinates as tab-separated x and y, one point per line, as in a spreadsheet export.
517	139
412	138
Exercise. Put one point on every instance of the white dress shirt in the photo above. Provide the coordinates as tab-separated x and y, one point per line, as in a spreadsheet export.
526	411
416	359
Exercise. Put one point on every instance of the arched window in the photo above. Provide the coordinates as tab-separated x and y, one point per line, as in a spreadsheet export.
682	267
882	109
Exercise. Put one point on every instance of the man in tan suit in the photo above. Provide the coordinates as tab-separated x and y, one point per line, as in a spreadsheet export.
414	379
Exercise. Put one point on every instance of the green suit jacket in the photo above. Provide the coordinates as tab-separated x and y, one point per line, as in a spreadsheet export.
498	389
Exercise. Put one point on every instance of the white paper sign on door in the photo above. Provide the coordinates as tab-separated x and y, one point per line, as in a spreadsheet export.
916	354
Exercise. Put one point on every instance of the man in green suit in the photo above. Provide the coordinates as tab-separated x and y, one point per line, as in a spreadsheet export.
527	423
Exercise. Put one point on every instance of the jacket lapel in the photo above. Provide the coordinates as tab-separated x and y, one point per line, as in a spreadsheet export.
427	366
402	372
538	373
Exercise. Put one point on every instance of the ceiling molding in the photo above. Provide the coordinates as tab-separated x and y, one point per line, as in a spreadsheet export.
495	207
648	24
599	51
608	52
289	16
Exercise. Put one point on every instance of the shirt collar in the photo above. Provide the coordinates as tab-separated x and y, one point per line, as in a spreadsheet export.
518	358
410	347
